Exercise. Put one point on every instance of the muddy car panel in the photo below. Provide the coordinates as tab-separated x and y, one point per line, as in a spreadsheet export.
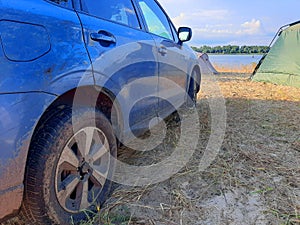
48	51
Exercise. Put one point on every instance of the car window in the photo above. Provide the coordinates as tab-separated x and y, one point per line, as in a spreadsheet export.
155	19
65	3
121	11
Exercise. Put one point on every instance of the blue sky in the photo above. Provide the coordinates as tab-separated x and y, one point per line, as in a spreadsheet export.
222	22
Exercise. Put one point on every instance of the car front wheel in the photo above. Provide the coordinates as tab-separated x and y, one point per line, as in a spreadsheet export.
193	90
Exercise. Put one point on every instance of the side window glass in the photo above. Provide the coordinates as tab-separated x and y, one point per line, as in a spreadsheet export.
155	19
64	3
121	11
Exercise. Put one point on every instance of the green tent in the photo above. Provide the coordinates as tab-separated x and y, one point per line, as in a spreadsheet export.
282	64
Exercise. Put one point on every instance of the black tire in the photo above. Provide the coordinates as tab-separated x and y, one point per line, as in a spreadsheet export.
51	173
193	90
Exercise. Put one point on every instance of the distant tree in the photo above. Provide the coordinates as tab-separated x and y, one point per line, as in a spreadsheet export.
233	49
218	49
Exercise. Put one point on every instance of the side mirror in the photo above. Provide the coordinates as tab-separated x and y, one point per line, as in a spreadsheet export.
184	34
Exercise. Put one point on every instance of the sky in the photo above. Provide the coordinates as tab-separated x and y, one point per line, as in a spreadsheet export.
235	22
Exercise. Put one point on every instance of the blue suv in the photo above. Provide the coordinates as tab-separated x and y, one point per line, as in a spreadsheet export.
79	78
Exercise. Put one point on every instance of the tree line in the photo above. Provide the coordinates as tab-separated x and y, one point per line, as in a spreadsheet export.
232	49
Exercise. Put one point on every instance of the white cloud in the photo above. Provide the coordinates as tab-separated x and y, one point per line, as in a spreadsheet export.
227	32
251	27
216	23
200	17
219	21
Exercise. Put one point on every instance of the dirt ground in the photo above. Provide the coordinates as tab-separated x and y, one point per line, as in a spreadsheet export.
255	178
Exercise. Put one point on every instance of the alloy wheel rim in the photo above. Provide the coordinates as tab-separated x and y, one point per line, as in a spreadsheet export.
82	169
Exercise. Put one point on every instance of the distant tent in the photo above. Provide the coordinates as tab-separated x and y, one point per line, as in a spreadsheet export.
282	64
205	65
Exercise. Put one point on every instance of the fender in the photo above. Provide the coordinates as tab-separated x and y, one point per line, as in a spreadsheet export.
20	113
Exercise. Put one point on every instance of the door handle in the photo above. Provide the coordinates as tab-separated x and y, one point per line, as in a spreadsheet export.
162	50
103	36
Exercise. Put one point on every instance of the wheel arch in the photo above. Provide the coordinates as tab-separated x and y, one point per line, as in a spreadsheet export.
85	96
105	102
92	96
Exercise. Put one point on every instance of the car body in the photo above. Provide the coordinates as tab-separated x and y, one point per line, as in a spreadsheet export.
55	52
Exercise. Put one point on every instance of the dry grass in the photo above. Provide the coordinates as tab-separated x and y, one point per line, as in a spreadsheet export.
254	180
239	86
247	68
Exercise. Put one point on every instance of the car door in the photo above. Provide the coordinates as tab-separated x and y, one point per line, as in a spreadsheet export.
123	58
172	56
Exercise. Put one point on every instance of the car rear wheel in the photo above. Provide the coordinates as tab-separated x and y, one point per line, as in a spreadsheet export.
69	167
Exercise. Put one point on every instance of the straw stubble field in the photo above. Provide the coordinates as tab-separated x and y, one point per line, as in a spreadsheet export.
255	179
